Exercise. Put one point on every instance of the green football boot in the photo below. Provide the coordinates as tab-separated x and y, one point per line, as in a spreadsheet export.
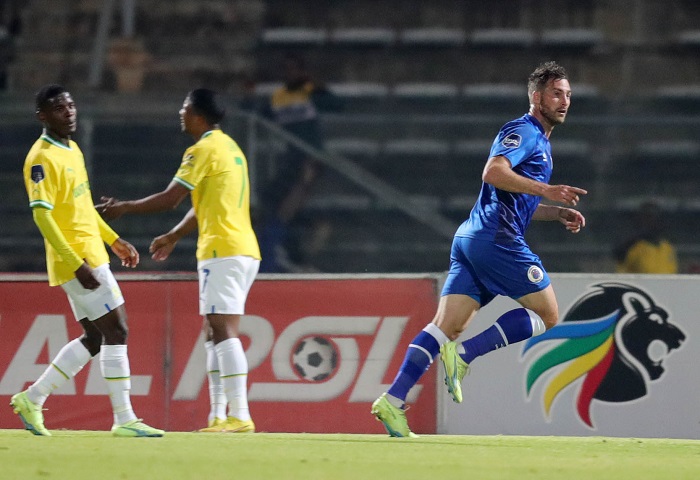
136	428
393	418
30	413
455	370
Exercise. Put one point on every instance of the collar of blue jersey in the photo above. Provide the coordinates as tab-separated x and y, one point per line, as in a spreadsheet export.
535	122
46	138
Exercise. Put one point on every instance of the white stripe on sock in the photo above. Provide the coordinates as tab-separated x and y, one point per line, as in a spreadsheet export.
538	326
434	331
503	335
427	353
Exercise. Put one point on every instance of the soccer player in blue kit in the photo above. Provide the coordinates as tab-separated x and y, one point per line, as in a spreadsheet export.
489	254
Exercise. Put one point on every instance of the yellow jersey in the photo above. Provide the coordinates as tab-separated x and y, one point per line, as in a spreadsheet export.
645	256
293	106
56	179
215	171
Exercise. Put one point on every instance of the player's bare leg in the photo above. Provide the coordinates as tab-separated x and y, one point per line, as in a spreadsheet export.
514	326
544	304
454	313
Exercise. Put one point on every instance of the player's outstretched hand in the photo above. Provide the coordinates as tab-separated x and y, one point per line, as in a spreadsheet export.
565	194
110	208
85	276
126	253
162	246
572	219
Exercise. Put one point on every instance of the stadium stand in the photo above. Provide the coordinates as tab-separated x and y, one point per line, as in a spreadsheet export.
294	37
425	85
503	38
434	37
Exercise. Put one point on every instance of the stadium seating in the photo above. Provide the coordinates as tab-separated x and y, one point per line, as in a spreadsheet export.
503	38
294	37
425	85
432	37
575	38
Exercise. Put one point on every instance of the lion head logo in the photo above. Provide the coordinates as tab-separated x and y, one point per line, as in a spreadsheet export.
614	338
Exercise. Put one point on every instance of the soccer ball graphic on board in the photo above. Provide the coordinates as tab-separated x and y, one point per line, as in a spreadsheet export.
315	358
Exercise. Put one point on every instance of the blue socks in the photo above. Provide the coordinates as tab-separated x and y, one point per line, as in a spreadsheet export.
511	327
419	356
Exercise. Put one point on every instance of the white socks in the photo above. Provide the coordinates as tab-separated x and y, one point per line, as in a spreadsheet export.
538	326
69	361
233	372
114	364
217	397
436	333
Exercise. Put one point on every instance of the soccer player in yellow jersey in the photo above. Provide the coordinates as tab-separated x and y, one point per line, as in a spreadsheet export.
215	171
76	259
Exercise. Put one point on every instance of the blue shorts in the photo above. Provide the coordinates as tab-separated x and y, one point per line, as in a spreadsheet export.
483	269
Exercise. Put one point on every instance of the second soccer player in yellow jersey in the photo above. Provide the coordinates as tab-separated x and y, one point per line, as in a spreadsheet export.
215	172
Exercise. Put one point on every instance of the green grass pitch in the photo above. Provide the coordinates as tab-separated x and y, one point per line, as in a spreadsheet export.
77	455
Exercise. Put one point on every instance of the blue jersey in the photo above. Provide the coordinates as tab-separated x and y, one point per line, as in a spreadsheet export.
500	216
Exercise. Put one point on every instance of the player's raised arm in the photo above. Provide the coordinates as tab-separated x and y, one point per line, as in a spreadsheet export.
499	173
565	194
168	199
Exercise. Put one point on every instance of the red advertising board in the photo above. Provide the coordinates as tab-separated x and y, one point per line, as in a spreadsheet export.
320	350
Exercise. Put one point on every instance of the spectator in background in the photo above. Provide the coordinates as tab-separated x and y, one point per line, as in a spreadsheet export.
295	107
648	251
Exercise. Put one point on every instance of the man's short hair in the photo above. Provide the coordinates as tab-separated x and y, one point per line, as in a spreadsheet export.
543	74
208	104
46	93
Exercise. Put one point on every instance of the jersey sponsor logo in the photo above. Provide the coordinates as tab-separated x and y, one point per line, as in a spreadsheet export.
535	274
512	141
81	189
609	346
37	173
188	160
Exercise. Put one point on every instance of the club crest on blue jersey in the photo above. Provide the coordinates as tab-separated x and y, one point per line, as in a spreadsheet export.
535	274
512	141
37	173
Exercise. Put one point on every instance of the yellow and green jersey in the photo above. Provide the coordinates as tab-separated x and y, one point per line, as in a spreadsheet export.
215	170
56	179
646	256
295	109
